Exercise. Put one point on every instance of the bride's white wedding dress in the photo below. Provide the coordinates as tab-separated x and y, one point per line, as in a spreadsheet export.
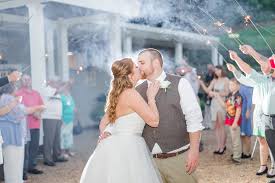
123	157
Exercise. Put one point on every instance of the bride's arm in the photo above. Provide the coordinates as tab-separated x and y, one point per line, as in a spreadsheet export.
103	123
148	112
209	88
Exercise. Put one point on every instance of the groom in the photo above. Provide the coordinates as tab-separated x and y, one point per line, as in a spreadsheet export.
175	142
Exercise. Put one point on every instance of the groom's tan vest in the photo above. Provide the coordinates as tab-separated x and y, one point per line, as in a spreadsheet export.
171	133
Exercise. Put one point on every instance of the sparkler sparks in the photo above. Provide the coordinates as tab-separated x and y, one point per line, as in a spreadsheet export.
229	30
247	19
219	23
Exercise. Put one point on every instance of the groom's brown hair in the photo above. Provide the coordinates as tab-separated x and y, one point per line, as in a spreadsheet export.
155	54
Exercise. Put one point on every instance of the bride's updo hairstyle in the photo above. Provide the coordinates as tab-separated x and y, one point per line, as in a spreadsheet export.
120	69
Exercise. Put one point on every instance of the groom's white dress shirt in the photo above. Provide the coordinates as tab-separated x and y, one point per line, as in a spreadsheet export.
190	108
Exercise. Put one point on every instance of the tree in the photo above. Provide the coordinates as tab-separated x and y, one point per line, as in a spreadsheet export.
261	4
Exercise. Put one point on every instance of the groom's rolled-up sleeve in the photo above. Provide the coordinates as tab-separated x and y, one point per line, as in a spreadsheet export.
190	106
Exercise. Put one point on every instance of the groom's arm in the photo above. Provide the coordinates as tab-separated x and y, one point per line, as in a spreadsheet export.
193	115
190	107
105	128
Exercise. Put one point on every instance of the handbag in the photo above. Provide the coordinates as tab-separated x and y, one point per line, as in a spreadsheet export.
77	130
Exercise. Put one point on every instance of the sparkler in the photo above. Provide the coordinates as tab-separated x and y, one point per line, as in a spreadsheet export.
220	24
25	69
205	31
247	19
266	30
208	41
260	34
236	38
229	30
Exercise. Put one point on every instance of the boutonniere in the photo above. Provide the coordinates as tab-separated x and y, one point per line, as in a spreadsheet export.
165	85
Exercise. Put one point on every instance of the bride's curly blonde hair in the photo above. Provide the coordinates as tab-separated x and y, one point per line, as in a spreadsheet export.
120	69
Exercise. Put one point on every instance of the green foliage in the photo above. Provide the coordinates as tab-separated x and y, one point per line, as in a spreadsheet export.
261	4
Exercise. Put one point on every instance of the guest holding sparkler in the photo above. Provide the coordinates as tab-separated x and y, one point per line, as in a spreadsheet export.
258	125
218	85
267	86
31	98
12	77
14	131
262	86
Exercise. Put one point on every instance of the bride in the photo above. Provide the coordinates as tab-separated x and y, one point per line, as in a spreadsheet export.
124	157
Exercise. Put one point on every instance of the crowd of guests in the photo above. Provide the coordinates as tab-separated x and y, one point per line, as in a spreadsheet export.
243	105
24	114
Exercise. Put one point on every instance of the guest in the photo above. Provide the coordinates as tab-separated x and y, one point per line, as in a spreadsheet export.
218	85
269	116
246	124
210	73
267	89
12	77
52	123
68	109
190	74
31	98
233	106
13	128
259	125
207	122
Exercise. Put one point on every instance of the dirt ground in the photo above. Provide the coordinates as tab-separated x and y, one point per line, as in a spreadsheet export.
212	168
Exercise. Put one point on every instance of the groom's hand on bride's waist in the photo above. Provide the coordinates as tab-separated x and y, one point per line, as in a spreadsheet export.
103	136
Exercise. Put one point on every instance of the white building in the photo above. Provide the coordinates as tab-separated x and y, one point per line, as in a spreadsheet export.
37	36
45	34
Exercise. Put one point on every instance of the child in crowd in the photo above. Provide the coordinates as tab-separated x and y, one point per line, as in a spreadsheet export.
233	106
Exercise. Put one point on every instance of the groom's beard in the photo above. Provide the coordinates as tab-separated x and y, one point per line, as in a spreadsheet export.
143	75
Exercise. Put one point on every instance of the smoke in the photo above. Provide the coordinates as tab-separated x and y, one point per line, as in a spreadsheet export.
90	47
90	41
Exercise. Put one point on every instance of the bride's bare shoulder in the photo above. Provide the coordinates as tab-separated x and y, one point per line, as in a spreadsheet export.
128	93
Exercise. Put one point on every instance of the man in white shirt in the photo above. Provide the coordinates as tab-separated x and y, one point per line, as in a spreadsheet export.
180	121
175	142
52	124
